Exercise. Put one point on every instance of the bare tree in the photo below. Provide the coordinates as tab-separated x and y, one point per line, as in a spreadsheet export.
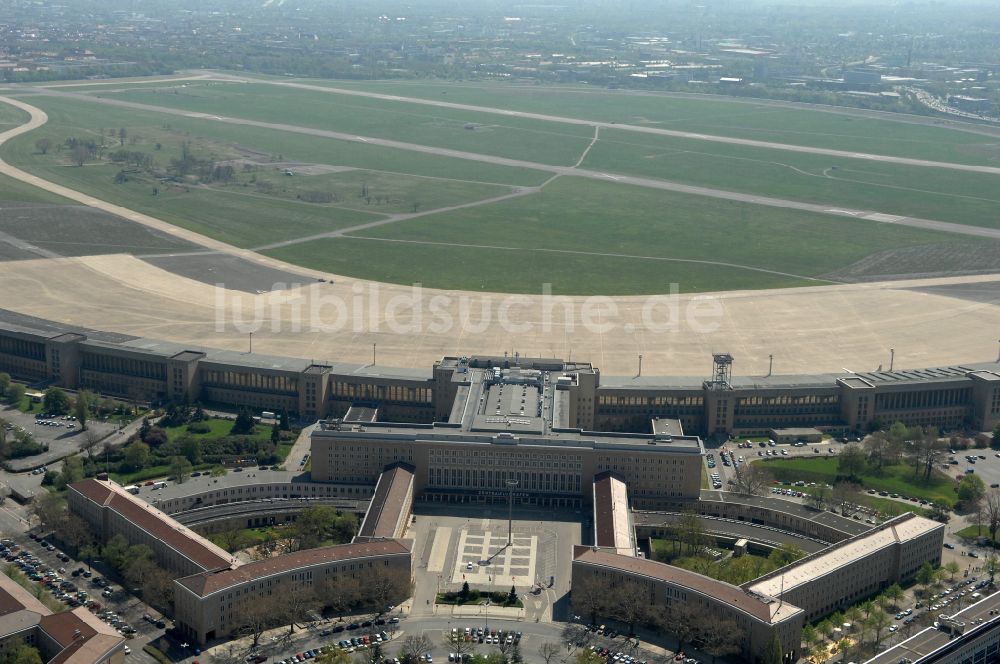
925	451
415	647
43	145
720	638
589	598
845	494
630	604
256	617
752	479
548	651
90	440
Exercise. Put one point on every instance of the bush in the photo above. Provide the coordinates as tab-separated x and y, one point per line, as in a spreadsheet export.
199	427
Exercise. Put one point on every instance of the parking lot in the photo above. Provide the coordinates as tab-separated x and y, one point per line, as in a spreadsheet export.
62	435
74	584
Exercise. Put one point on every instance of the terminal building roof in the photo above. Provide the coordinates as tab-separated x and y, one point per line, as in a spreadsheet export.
763	608
208	583
901	529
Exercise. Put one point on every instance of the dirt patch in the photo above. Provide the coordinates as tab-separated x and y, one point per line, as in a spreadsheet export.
925	261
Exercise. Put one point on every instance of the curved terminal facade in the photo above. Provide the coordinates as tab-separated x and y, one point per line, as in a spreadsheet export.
33	350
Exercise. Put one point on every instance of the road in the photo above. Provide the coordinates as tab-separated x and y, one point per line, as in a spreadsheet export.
649	183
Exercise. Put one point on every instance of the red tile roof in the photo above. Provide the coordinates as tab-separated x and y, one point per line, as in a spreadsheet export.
207	583
723	592
188	543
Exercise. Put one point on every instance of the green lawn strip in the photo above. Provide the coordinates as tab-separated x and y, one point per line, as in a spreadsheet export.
154	472
587	216
218	428
974	532
897	479
485	133
931	193
743	118
520	271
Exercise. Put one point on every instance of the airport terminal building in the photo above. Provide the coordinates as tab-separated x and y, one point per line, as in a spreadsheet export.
148	370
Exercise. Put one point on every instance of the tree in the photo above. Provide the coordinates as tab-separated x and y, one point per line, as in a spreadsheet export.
894	594
992	501
43	145
548	651
4	383
14	393
720	638
256	617
91	438
56	401
81	409
72	470
587	657
415	647
925	575
786	554
14	651
191	449
851	462
992	566
877	622
80	154
878	448
952	568
49	509
971	490
752	479
773	654
283	421
233	539
136	456
243	425
819	498
275	434
925	451
180	469
122	134
845	494
630	604
512	596
588	598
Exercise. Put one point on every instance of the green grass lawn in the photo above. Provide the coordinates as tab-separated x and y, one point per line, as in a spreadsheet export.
519	244
906	190
709	114
486	133
896	479
218	428
931	193
972	532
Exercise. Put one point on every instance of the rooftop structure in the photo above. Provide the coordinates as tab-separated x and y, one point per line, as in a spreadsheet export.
389	509
612	516
71	637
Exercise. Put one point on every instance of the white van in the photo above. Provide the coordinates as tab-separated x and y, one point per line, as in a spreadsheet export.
159	485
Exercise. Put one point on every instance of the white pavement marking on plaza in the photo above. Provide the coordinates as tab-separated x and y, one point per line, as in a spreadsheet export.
439	549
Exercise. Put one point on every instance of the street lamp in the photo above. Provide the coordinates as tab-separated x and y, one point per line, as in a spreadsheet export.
511	484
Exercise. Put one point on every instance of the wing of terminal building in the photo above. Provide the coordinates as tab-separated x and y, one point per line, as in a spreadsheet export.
70	637
780	603
213	590
36	350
